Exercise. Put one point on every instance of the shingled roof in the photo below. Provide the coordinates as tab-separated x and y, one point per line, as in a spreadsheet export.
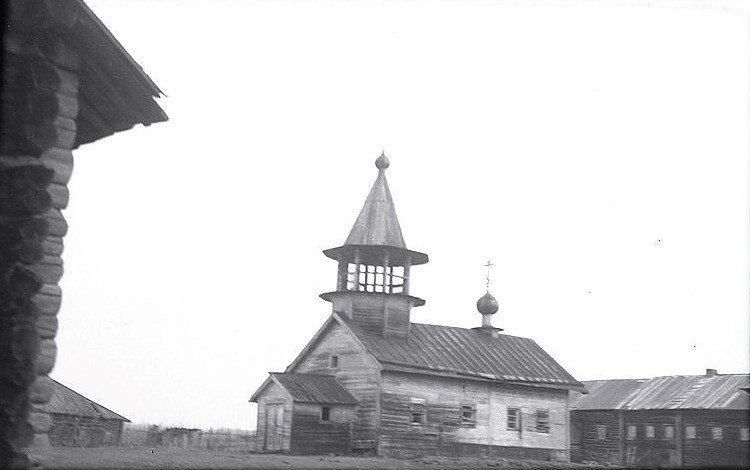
310	388
66	401
720	391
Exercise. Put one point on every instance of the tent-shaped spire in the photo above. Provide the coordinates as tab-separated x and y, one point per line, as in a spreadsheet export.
377	223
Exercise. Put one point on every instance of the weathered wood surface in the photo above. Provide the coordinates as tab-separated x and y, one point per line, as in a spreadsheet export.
311	436
268	435
443	429
661	450
356	371
39	108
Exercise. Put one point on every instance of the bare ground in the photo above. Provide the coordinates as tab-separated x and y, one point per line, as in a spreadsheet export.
127	458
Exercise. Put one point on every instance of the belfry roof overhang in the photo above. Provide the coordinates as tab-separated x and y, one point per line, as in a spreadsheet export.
374	254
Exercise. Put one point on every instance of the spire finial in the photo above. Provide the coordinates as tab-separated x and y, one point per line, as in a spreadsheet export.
382	162
488	265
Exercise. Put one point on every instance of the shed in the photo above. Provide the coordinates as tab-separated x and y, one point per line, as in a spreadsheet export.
81	422
321	409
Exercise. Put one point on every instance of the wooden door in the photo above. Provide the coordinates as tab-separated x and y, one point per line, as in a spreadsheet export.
273	440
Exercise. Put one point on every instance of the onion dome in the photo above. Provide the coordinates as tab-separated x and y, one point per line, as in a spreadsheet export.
382	162
487	305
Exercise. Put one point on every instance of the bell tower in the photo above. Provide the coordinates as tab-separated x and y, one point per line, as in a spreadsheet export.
374	266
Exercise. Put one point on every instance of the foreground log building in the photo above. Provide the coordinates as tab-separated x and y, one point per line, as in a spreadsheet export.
66	82
685	421
372	381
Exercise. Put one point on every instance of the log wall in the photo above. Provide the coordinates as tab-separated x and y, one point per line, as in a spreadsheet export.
443	432
37	120
661	450
312	436
79	431
357	371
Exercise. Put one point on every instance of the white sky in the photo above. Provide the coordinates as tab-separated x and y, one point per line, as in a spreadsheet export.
596	152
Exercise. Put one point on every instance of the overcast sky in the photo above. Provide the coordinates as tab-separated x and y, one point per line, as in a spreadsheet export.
596	152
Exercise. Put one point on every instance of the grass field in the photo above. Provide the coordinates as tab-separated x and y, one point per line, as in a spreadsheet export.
126	458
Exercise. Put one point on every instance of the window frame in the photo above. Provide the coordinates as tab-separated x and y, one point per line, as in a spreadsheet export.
743	433
665	428
691	432
631	436
601	432
516	413
325	413
542	425
717	433
649	431
471	419
333	361
418	407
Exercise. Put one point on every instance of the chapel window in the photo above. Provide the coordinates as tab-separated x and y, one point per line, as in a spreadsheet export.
513	419
468	415
542	421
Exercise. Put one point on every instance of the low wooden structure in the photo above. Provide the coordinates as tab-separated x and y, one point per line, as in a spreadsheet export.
679	421
80	422
304	414
420	389
66	82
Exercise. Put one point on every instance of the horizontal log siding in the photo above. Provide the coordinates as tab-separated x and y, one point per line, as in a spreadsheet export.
311	436
274	394
591	448
357	371
704	451
443	433
80	431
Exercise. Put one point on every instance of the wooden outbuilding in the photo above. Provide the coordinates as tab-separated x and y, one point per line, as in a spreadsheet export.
679	421
81	422
417	389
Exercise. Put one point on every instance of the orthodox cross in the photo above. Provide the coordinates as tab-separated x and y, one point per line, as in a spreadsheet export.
488	265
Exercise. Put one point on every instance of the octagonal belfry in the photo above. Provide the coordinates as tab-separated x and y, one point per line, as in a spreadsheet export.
372	287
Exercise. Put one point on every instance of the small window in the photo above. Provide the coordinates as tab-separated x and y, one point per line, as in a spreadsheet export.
690	432
632	431
513	421
745	434
334	362
542	421
601	432
417	411
650	431
468	415
325	413
717	433
668	432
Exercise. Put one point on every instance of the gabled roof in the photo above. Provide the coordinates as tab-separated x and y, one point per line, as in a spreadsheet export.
66	401
720	391
309	388
377	223
458	352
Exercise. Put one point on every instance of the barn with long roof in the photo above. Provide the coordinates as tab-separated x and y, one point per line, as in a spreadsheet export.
372	381
675	420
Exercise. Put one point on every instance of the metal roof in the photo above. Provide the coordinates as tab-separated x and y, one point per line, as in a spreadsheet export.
720	391
440	349
314	388
66	401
